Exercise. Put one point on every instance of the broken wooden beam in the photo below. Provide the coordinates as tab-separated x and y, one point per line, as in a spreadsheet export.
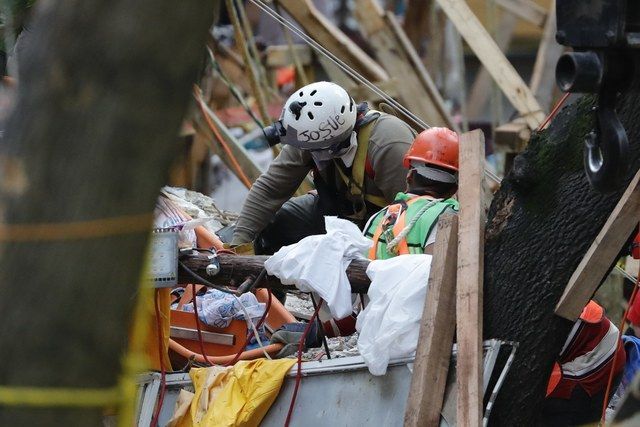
429	378
234	269
470	279
602	253
396	62
543	78
331	38
528	10
282	55
492	58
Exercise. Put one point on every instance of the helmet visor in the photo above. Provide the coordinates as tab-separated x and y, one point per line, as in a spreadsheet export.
434	174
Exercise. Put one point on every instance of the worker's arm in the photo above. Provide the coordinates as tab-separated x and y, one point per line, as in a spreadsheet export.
389	142
270	191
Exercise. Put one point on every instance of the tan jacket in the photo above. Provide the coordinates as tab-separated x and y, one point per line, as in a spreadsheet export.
389	141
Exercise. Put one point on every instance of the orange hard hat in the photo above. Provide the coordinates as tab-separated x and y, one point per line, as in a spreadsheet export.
435	146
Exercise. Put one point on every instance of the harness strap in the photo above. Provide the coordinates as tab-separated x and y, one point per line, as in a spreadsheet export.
402	247
355	182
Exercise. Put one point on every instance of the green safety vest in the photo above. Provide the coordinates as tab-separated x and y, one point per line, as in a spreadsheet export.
390	221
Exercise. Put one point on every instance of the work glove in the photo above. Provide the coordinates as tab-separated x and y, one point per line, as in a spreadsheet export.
290	335
243	249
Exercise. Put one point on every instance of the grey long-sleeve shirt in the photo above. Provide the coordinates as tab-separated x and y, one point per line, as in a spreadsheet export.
389	141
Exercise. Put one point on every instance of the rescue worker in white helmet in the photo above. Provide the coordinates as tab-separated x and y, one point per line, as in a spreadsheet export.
355	154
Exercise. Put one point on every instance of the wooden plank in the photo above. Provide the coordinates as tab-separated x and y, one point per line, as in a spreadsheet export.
469	279
331	38
512	137
280	55
494	60
482	86
249	167
421	70
528	10
602	253
357	91
413	95
543	79
416	21
428	381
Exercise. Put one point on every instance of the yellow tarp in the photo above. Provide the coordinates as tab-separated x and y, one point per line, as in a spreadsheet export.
239	395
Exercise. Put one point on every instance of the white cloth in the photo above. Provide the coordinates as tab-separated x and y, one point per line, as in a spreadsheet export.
390	323
319	263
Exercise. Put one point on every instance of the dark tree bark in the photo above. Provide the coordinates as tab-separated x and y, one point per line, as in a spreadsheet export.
103	86
234	269
540	225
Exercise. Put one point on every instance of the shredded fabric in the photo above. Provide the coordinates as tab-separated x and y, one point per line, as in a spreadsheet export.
319	263
390	323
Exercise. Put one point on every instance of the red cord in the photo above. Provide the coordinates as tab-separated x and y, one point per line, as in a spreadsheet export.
553	112
163	373
299	372
619	346
195	312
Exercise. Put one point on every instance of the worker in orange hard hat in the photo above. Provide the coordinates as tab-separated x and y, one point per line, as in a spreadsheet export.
408	225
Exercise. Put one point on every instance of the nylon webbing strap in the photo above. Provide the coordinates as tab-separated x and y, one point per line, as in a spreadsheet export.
355	182
76	230
54	396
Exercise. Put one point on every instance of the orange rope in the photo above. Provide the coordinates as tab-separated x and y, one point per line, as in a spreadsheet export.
241	175
553	112
89	229
619	346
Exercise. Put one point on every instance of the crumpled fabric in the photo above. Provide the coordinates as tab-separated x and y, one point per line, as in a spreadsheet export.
319	263
218	309
390	323
238	395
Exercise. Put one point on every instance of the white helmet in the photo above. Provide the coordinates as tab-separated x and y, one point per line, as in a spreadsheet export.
318	116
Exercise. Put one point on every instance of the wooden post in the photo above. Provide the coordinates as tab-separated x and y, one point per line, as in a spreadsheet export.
393	58
602	253
420	70
482	85
543	79
470	279
431	365
494	61
331	38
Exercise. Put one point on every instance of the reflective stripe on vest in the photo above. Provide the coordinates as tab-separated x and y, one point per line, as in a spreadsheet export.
399	217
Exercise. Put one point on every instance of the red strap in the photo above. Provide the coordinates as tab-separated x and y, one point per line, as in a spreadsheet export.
368	168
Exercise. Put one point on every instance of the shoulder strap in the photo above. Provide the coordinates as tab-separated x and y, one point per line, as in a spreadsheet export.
355	182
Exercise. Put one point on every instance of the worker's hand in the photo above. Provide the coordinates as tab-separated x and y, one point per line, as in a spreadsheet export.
290	335
243	249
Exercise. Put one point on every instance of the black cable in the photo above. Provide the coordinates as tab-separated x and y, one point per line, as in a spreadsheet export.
320	329
204	281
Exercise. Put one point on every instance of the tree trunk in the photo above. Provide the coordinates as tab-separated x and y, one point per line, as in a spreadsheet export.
540	224
102	90
234	269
